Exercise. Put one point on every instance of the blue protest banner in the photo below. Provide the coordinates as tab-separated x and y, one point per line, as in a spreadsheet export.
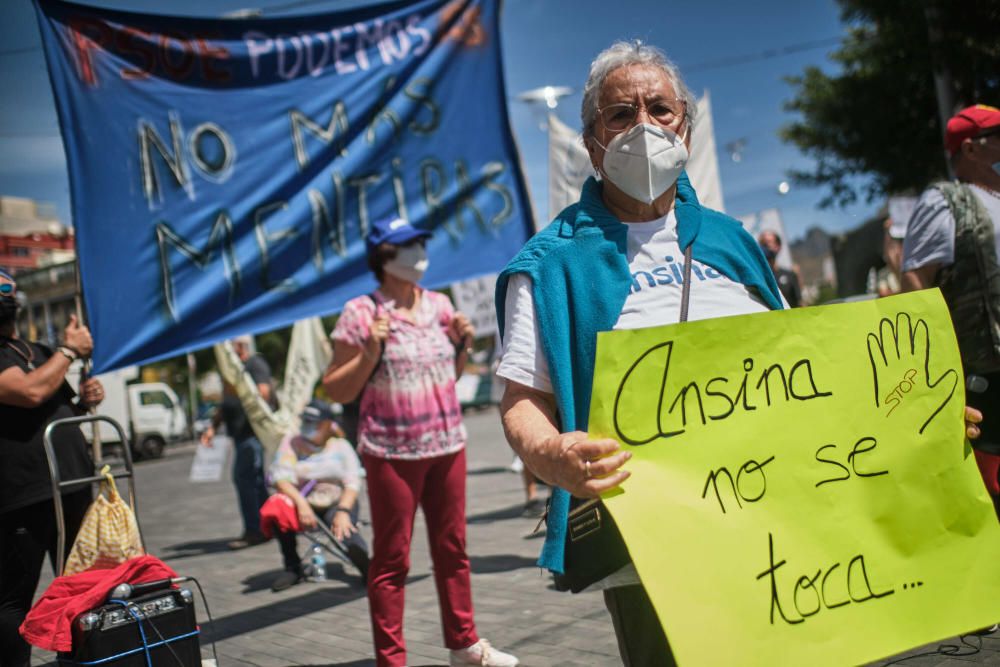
224	173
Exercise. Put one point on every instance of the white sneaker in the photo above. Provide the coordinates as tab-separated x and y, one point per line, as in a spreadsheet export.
481	653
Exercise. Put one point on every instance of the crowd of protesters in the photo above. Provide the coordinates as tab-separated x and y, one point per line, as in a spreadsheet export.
399	351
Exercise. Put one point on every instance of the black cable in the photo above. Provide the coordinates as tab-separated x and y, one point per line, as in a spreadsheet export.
208	613
142	633
944	649
164	642
732	61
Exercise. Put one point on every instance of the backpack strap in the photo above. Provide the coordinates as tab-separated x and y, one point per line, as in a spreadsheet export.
381	349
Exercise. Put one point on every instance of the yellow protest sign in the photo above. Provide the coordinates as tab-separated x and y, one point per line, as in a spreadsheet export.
801	490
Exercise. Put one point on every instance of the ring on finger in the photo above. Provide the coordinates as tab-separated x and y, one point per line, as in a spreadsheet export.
586	465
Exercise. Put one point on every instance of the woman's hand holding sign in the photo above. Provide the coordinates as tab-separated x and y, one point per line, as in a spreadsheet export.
584	467
973	418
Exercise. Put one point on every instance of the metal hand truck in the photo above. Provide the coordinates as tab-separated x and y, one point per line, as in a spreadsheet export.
58	484
133	628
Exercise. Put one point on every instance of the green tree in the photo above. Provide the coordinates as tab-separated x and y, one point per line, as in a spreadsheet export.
876	117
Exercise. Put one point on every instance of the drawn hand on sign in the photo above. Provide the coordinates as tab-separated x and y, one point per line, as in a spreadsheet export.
900	354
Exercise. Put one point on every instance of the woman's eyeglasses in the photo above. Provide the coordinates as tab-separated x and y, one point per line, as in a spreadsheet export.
618	117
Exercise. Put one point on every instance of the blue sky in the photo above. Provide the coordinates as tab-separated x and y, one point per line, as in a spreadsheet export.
545	42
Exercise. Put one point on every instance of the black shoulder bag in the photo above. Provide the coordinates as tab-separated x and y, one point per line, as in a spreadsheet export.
594	545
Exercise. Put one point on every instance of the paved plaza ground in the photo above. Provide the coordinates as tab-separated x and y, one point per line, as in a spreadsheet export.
188	524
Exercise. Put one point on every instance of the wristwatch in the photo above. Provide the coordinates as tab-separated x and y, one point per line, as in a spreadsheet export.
68	352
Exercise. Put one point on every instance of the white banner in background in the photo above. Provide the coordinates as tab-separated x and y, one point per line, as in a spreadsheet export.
569	166
475	299
308	356
703	165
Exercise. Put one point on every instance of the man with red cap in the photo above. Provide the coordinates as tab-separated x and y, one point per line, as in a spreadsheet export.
953	242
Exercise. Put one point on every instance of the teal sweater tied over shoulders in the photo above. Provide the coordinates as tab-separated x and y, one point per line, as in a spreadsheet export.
580	277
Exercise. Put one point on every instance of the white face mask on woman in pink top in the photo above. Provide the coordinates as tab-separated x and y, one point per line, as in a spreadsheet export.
410	263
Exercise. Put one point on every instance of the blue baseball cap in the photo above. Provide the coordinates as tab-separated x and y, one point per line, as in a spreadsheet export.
396	231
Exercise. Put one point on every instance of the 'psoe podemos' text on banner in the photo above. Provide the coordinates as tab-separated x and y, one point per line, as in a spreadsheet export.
224	173
801	482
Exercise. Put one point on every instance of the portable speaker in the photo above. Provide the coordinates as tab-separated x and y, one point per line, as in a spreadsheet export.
110	635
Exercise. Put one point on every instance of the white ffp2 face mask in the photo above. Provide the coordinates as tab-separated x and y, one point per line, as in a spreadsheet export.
645	161
410	263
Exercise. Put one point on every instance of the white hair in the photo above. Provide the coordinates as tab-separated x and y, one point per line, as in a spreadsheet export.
623	54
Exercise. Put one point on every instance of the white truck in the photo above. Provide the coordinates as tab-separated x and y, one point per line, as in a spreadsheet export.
150	412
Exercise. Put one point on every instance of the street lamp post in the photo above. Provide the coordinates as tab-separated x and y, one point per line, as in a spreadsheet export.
548	96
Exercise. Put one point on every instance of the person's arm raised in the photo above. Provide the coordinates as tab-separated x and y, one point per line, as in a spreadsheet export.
31	389
352	365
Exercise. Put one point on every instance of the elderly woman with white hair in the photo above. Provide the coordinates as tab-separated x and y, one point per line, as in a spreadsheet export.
637	250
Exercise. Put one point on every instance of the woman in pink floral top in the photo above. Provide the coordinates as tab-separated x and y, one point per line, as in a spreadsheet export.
401	349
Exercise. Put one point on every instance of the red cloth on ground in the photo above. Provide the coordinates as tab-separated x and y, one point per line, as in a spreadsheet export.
49	623
278	514
989	467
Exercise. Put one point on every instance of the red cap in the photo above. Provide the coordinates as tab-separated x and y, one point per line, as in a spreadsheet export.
969	123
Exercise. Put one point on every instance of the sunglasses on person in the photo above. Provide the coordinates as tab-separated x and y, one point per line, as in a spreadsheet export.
8	288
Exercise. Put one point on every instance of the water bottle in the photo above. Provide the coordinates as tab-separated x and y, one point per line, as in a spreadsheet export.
317	563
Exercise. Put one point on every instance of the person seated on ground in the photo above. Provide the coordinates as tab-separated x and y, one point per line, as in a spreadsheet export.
319	472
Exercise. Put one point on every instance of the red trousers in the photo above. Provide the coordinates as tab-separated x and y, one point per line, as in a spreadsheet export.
395	488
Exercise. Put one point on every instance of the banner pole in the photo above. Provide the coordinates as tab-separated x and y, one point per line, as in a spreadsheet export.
192	369
95	428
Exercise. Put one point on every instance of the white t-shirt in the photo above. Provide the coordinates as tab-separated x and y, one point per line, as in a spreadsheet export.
930	233
656	263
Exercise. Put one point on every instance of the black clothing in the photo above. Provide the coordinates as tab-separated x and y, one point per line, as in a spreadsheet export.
8	309
27	534
248	461
641	640
24	473
231	410
248	476
235	419
788	283
27	516
988	402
